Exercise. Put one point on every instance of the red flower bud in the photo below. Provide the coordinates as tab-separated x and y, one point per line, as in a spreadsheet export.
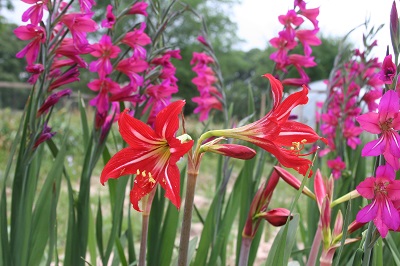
231	150
277	217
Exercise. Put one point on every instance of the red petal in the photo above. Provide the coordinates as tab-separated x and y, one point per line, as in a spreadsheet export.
171	184
136	133
292	131
276	89
293	100
141	188
167	120
128	161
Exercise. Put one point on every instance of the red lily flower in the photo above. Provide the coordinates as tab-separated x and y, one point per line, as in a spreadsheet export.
276	134
152	154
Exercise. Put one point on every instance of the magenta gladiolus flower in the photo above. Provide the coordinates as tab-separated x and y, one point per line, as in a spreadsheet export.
136	39
35	70
388	71
105	50
382	190
131	67
30	32
337	165
138	8
386	123
110	18
79	24
35	12
86	5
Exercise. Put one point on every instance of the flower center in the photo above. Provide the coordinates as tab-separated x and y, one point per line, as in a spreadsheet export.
297	147
380	188
387	125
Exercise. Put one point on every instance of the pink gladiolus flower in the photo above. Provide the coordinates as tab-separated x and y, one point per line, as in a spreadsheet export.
386	123
311	14
138	8
388	71
382	190
68	49
291	18
136	39
337	165
35	12
104	87
30	32
36	70
205	105
105	50
131	67
79	24
86	5
351	133
110	18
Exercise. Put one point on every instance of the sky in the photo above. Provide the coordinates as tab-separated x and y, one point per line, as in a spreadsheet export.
258	19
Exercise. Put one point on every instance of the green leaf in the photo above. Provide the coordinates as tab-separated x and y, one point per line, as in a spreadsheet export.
282	246
43	222
117	190
85	125
120	251
92	238
99	230
393	248
4	244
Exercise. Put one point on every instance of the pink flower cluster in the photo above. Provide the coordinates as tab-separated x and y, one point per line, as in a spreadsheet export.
148	96
344	97
209	95
56	65
291	36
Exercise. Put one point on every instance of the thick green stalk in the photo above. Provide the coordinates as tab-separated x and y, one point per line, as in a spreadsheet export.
244	251
187	215
367	245
143	240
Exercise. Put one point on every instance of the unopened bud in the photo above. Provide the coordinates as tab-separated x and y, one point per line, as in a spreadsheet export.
277	217
231	150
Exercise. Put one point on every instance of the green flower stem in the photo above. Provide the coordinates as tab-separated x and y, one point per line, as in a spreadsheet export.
146	203
244	251
143	240
367	246
187	214
349	196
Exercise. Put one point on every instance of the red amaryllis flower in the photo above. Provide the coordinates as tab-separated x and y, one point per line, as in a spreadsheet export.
152	154
275	133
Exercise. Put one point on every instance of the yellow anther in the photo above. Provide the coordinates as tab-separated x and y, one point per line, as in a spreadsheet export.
137	172
304	141
144	173
152	180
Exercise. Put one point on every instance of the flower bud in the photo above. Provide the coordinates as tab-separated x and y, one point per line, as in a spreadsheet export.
277	217
394	28
52	100
293	181
231	150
